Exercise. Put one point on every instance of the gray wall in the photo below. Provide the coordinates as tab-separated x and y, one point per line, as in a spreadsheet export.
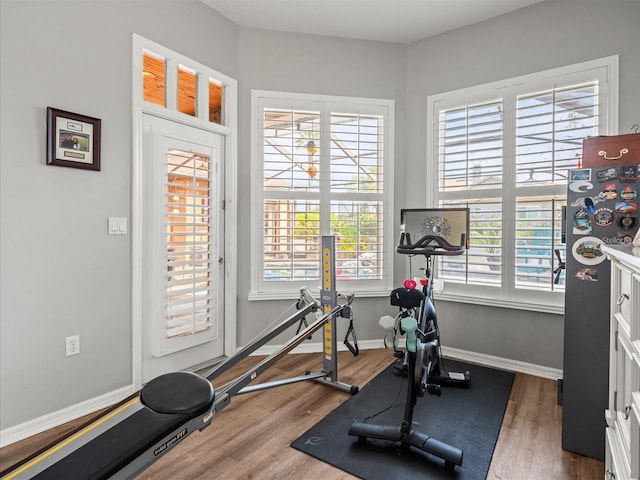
61	274
322	65
547	35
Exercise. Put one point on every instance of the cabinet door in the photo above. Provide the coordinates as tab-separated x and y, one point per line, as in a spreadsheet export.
634	428
634	311
625	373
621	294
634	417
616	465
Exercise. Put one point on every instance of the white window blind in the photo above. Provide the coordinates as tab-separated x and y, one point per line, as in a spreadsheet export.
357	177
189	290
471	144
291	205
322	171
504	151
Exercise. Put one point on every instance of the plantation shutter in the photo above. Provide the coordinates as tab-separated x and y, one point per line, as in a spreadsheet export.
322	181
526	182
471	150
471	147
357	193
550	128
189	291
291	197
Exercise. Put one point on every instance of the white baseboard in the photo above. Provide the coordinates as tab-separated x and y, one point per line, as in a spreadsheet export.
51	420
452	353
502	363
309	347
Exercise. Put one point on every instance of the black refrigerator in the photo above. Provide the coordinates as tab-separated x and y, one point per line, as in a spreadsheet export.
602	199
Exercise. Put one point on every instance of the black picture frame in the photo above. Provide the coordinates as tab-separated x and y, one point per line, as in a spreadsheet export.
73	140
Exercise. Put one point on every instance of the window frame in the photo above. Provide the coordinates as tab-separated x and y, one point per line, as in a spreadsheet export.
605	70
325	104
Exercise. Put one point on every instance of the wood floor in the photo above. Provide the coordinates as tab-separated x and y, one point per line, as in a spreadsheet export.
250	438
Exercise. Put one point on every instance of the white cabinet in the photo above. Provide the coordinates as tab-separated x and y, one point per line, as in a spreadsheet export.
622	457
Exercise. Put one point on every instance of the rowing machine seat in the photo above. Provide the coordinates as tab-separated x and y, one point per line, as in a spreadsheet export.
178	392
170	407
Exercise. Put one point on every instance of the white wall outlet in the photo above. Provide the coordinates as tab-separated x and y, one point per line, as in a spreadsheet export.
73	345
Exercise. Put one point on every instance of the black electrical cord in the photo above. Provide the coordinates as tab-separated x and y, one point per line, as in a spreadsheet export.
390	406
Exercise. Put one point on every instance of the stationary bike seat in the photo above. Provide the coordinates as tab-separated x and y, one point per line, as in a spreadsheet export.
406	297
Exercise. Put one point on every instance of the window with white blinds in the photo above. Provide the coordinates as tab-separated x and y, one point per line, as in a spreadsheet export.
504	150
321	166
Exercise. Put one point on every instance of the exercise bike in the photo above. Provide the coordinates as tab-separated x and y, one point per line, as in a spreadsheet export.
423	307
422	361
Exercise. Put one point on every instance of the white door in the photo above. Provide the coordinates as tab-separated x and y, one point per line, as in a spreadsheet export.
182	239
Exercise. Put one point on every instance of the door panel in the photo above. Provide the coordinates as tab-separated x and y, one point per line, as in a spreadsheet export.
183	288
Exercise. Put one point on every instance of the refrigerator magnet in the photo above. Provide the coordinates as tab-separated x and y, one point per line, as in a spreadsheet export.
626	207
603	217
587	274
628	173
581	223
627	222
587	251
607	175
628	194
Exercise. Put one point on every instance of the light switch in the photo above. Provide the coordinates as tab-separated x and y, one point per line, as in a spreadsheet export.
117	226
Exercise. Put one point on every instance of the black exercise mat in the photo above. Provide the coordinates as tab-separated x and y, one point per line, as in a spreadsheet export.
467	418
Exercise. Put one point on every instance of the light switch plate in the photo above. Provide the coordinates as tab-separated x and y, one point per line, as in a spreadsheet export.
117	226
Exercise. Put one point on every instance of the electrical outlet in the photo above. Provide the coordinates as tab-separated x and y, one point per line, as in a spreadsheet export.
73	345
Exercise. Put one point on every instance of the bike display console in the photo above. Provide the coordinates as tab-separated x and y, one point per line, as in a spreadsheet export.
433	231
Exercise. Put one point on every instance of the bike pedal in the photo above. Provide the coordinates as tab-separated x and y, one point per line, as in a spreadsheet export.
434	389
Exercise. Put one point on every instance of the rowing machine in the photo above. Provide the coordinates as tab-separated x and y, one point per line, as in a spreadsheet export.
127	440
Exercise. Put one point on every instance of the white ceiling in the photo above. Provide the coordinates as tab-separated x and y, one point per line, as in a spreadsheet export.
397	21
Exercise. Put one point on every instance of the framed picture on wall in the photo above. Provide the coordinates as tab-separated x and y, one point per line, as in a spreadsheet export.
73	140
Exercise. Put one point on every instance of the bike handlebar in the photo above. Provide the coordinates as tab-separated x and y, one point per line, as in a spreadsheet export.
430	245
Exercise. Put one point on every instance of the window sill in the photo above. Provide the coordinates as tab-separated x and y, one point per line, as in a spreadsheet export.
556	309
291	295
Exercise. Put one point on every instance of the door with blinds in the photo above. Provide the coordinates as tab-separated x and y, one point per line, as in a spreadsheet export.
183	288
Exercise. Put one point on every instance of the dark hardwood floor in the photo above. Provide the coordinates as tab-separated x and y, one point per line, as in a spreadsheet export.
250	438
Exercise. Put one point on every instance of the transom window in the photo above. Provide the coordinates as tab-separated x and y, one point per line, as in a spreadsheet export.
504	150
195	91
322	166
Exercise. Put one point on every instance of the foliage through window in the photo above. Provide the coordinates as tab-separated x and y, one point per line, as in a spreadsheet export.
504	150
323	166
